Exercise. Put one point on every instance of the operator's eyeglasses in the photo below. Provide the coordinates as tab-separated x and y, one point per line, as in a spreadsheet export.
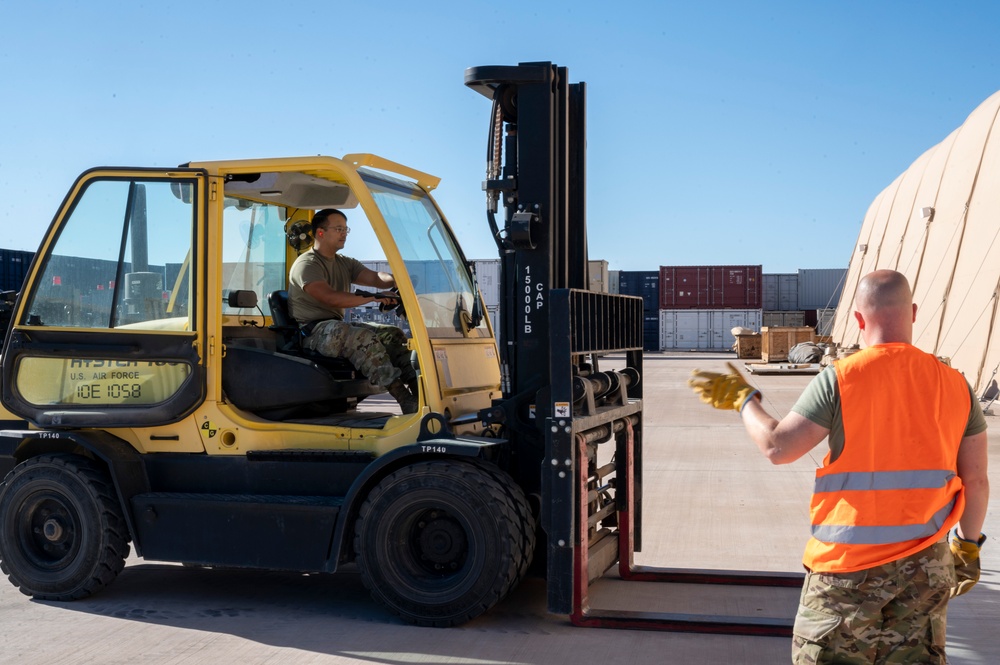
338	229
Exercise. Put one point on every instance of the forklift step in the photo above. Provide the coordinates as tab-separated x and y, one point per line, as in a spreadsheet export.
283	532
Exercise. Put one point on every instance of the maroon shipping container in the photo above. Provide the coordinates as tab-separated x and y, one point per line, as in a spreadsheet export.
711	287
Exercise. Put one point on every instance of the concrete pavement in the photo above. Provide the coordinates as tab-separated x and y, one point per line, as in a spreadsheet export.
711	502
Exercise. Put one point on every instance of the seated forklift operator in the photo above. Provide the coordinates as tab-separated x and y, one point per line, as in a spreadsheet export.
319	285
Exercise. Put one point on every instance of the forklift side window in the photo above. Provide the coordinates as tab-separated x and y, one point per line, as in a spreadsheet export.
253	250
120	260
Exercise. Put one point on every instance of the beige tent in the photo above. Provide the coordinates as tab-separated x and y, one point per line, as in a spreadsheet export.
939	224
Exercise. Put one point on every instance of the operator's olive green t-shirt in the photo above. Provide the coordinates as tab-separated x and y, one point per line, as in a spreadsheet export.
820	403
339	272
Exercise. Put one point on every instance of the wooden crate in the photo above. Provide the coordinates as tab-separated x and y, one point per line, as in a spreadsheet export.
777	342
748	346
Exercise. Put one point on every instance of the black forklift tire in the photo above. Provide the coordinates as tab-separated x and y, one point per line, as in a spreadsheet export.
529	525
439	543
62	533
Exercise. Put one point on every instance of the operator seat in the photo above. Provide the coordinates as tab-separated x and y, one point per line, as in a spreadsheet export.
291	338
278	384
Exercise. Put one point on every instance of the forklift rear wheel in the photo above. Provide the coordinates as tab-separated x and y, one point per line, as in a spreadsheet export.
439	543
62	534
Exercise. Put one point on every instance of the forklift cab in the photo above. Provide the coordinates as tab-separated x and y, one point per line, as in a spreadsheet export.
136	275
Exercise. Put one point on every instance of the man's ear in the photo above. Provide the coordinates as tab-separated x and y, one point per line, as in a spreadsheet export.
861	320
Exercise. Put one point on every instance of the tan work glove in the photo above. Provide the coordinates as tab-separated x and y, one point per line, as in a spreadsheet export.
723	391
967	566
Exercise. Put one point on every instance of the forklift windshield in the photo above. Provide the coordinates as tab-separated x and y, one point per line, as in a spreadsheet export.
440	276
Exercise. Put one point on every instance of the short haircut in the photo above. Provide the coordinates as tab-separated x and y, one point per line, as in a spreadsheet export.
320	217
884	289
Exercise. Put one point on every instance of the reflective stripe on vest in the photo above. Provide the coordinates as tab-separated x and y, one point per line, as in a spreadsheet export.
883	480
882	535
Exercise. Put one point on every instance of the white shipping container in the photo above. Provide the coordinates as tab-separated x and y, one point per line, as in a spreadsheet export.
784	319
781	291
824	321
707	329
820	288
378	266
494	313
488	278
598	276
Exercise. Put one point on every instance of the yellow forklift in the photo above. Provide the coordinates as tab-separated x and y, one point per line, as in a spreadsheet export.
159	395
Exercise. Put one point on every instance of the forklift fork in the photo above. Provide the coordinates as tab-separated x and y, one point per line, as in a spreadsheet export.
585	615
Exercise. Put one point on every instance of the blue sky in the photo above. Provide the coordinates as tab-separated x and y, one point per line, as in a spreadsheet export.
718	132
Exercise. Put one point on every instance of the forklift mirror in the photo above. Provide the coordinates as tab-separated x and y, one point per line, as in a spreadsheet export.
476	315
242	299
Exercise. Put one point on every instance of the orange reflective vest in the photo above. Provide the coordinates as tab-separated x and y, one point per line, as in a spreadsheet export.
894	489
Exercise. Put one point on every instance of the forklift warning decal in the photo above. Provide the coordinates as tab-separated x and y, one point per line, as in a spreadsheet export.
534	297
47	381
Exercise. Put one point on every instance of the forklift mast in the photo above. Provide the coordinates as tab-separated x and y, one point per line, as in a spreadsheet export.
576	431
536	167
553	330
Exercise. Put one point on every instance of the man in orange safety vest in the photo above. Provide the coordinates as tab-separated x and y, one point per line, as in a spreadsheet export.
907	462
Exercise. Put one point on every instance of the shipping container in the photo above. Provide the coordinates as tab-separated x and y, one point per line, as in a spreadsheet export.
685	288
487	273
781	291
706	329
488	278
87	288
777	319
426	276
598	276
710	287
494	314
642	283
613	282
14	266
824	321
651	331
820	288
378	266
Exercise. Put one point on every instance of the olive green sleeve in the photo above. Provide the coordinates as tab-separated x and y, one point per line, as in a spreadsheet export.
354	266
818	402
977	421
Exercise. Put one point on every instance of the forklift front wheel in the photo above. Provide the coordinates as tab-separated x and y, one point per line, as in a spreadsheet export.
62	534
439	543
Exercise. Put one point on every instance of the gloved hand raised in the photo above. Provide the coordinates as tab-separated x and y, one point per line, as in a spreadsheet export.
723	391
967	566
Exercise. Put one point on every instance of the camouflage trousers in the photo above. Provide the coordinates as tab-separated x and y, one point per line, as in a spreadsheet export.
378	351
896	613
